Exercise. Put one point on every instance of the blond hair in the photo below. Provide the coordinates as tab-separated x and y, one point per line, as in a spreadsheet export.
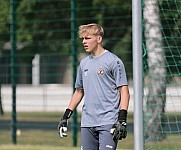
90	29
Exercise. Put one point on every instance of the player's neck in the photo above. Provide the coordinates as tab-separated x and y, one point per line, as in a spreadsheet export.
98	52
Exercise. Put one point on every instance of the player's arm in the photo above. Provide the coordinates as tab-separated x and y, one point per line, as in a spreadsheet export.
76	99
124	97
119	129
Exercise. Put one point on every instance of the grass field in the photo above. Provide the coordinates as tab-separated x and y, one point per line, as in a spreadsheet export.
34	147
37	139
49	140
44	139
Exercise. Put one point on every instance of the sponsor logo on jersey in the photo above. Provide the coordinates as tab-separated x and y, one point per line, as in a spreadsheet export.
85	72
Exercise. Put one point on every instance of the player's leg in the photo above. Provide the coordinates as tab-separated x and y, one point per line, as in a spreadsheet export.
89	139
106	141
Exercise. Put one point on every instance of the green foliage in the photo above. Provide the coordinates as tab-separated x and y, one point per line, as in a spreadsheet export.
4	22
4	16
44	25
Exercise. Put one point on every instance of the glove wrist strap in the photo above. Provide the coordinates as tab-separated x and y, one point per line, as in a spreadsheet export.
122	114
67	114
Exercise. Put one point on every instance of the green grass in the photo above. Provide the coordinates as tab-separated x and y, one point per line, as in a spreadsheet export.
38	140
49	139
34	147
37	137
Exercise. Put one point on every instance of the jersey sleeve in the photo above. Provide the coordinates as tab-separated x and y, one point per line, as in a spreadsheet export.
119	72
79	79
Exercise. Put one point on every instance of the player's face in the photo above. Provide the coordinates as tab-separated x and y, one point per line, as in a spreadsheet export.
91	42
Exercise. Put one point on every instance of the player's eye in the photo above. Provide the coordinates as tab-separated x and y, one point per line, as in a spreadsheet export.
86	38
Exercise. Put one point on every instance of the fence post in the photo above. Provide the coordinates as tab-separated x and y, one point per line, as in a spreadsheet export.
13	78
74	64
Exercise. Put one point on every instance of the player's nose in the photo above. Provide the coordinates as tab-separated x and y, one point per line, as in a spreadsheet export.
83	41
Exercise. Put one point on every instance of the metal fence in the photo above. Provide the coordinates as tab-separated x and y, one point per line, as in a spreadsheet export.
40	52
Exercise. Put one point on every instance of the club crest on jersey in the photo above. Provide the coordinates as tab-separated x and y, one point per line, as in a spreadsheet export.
100	71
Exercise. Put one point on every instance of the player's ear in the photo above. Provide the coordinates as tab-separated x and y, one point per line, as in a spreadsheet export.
99	39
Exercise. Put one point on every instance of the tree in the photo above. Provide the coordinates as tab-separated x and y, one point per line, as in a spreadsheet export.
4	23
156	97
46	29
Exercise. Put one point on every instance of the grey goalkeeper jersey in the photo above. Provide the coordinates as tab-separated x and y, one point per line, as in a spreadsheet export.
99	77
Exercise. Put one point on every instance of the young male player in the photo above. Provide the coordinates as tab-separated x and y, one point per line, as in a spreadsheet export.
101	79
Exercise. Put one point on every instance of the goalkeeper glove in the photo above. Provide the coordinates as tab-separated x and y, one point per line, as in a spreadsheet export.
119	129
62	126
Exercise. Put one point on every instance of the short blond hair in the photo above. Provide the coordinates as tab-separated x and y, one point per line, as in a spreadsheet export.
90	29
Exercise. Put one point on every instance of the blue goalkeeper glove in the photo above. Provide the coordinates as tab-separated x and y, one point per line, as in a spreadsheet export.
62	126
119	129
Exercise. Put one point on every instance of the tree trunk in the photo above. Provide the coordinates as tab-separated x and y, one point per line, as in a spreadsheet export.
156	98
